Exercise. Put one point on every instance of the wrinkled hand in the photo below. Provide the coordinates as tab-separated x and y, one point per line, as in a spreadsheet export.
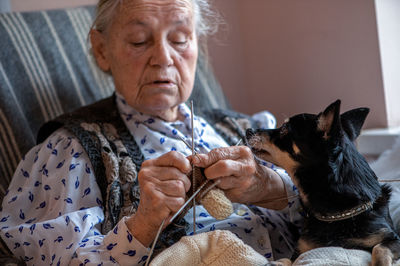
163	185
241	178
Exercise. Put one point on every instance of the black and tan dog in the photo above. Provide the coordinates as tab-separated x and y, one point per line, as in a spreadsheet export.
346	206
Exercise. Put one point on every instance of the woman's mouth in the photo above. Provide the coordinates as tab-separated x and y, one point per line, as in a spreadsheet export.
162	82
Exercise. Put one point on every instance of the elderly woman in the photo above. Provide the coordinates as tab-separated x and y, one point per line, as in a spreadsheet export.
83	205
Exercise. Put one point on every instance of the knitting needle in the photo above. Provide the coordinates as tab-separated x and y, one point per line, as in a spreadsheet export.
187	144
155	241
198	190
188	201
239	142
194	195
194	169
194	152
176	214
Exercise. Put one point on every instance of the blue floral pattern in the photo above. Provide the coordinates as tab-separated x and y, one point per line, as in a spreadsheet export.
52	212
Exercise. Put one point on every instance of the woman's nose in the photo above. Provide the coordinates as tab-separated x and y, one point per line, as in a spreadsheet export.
161	55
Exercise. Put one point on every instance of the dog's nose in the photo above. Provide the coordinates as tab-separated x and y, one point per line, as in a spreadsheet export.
249	133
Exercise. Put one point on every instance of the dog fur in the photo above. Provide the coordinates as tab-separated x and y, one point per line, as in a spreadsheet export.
333	179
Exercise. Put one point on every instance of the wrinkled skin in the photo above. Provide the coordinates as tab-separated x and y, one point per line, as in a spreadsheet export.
151	50
241	178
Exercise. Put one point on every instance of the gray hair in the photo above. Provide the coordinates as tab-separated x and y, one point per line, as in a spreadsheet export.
206	19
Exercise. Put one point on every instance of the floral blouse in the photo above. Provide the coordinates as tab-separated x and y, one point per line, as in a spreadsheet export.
52	212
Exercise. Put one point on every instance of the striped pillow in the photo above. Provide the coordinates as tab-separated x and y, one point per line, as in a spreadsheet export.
46	70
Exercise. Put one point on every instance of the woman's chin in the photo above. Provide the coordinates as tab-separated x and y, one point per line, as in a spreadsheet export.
166	110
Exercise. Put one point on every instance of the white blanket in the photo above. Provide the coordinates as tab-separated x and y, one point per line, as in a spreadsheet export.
334	256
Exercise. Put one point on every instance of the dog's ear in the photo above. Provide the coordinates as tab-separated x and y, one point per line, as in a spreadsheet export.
329	120
353	120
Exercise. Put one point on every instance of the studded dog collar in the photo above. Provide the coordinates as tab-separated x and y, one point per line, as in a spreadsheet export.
332	217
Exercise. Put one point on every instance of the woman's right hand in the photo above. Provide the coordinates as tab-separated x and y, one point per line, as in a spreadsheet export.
163	185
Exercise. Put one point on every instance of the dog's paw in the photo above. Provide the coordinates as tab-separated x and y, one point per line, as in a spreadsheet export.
381	256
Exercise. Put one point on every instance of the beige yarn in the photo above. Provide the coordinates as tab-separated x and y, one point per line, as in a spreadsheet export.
212	198
219	247
217	204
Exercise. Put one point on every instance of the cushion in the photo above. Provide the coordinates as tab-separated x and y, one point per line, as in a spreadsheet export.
46	70
334	256
387	168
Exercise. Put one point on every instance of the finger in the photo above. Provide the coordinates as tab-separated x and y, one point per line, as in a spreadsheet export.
155	202
172	159
172	188
228	182
175	203
155	173
229	168
234	182
224	153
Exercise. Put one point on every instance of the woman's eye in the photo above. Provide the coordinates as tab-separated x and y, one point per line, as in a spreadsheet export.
179	42
183	42
178	38
138	44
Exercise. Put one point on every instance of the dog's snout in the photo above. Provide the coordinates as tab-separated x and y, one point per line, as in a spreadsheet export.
250	133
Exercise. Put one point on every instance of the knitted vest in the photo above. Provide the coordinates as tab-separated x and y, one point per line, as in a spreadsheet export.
116	158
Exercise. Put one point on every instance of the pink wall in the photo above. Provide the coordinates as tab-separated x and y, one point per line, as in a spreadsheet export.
298	56
25	5
291	56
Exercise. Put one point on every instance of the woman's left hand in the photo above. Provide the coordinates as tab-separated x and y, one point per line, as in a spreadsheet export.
241	178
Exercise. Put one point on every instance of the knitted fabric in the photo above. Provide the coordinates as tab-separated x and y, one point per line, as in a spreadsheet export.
213	199
217	204
219	247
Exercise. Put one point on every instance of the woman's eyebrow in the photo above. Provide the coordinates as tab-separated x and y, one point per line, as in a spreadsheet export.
174	20
181	19
136	21
181	22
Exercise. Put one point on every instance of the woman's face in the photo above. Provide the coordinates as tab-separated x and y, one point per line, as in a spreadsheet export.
151	50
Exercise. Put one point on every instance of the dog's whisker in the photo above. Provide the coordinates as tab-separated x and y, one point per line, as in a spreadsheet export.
284	198
254	141
388	180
